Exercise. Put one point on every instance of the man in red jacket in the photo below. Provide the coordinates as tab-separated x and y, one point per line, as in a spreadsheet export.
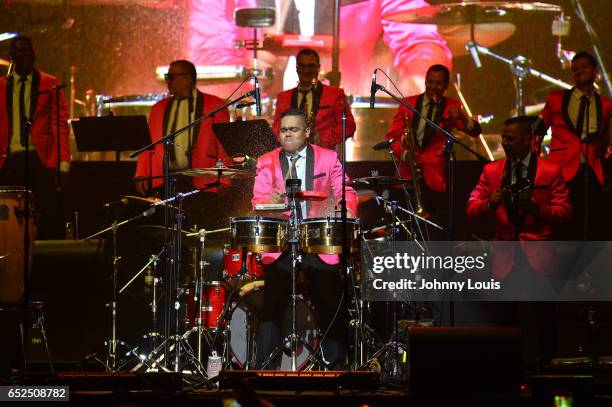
28	127
195	148
581	132
521	216
323	104
429	143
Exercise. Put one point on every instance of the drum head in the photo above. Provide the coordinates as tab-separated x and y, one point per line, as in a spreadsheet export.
245	318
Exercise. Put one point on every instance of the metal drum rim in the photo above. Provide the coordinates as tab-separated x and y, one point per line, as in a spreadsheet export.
240	219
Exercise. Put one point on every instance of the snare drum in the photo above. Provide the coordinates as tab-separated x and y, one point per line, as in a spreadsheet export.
213	301
12	230
258	234
324	235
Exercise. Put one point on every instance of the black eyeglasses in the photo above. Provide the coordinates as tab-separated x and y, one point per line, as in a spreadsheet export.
170	76
308	66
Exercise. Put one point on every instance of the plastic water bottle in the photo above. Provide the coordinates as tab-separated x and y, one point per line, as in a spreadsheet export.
213	366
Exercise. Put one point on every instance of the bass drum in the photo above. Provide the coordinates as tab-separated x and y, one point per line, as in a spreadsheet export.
244	320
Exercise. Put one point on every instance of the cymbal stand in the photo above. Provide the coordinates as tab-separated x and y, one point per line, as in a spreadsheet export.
389	351
521	68
202	299
153	335
111	360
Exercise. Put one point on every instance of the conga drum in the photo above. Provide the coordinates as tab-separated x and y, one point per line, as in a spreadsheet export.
12	231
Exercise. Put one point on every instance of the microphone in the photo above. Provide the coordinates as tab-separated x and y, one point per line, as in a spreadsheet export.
383	144
472	47
373	90
121	202
257	97
11	69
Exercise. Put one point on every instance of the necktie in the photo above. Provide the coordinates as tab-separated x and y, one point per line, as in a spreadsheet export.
581	114
22	113
429	130
304	102
173	128
293	172
518	171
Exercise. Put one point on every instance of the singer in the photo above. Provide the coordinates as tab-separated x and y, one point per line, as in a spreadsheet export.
429	143
27	96
196	148
581	133
323	104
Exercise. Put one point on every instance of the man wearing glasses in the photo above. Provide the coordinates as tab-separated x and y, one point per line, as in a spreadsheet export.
322	104
197	147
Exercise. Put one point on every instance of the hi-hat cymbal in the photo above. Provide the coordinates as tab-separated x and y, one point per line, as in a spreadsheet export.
378	182
213	172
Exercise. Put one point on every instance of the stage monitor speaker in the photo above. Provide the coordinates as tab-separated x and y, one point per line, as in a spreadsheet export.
464	361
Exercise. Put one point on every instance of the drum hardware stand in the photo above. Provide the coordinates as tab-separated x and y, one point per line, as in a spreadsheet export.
521	68
223	322
202	281
111	360
292	187
153	336
390	350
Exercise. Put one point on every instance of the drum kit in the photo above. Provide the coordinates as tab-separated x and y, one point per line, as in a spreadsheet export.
218	310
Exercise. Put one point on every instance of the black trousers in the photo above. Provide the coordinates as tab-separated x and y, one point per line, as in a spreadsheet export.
50	223
597	205
325	292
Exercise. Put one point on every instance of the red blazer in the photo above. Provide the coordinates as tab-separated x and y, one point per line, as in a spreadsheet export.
431	155
554	209
565	145
206	148
43	118
328	104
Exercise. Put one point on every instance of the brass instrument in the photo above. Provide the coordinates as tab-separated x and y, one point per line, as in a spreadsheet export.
415	168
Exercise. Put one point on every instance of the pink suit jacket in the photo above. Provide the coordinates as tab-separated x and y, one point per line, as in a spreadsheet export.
328	117
554	208
44	119
431	154
206	149
323	173
565	147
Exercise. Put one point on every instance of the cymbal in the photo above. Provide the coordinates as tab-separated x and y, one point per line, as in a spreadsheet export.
148	200
4	62
365	195
377	182
485	34
470	12
213	172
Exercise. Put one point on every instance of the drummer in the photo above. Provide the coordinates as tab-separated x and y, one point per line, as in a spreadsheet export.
196	148
319	170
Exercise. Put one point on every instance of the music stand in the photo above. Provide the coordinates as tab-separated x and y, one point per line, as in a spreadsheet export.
111	133
252	138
